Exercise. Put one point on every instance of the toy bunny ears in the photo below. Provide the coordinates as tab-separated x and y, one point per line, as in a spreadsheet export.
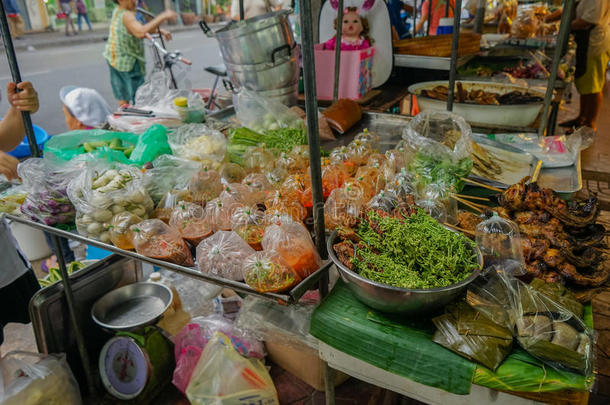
365	6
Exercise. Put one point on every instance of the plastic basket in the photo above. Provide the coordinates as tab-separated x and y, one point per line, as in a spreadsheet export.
355	76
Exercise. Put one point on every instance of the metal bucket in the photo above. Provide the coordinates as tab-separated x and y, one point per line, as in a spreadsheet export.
267	76
255	40
288	95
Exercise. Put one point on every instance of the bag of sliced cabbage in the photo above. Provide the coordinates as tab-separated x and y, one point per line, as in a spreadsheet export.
46	182
199	143
261	114
35	379
104	190
543	327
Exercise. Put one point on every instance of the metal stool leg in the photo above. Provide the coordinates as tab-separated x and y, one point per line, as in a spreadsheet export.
212	96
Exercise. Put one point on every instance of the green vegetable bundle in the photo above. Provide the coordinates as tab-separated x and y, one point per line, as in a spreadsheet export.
284	139
441	171
415	252
55	275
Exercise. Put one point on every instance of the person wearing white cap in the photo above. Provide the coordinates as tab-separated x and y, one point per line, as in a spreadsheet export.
84	108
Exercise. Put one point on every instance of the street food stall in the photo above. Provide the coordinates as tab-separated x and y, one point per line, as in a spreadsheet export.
421	254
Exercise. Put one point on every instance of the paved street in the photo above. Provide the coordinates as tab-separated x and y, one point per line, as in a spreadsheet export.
83	65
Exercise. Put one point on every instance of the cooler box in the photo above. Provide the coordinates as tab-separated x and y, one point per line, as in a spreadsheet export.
355	76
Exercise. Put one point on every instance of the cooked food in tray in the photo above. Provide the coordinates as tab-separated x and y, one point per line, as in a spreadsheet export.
500	165
478	96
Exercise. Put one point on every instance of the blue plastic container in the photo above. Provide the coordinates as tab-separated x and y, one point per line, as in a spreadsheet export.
23	150
445	26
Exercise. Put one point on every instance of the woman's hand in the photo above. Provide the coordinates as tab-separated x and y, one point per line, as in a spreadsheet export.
24	100
8	166
166	34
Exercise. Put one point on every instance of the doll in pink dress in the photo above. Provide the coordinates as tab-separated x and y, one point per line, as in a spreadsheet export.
354	32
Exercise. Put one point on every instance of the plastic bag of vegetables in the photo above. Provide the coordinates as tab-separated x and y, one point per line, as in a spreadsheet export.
269	272
189	219
262	114
36	379
200	143
155	239
168	173
293	243
46	183
101	191
223	254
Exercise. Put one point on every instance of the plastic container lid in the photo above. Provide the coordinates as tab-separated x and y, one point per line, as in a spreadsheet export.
181	102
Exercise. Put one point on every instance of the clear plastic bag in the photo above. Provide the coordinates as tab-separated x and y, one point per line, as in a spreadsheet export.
237	194
545	329
199	143
370	138
258	159
231	173
359	152
224	376
293	243
170	200
155	239
262	114
219	214
205	185
168	173
440	131
248	223
469	333
259	185
121	234
283	324
500	243
433	208
267	271
385	200
46	184
101	191
342	208
190	221
222	254
35	379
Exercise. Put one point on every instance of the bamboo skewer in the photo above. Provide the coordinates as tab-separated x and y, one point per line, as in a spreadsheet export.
476	207
477	183
472	197
457	228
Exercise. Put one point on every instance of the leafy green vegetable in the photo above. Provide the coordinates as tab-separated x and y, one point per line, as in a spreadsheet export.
284	139
414	252
441	171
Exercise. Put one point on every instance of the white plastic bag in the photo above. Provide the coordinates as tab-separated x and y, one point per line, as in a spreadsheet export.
35	379
224	377
262	114
199	143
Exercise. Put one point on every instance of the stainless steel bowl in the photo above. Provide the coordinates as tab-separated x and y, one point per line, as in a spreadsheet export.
132	307
390	299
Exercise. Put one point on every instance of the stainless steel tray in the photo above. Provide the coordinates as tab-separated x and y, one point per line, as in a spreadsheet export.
564	180
532	170
49	310
428	62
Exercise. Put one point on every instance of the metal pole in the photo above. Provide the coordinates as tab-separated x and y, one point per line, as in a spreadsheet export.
479	17
455	43
562	37
13	65
241	10
78	333
429	16
338	50
414	17
311	108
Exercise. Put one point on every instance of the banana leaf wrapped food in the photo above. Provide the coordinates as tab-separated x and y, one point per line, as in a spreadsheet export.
544	327
469	333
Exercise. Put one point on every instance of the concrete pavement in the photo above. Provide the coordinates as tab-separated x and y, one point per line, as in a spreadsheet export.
57	38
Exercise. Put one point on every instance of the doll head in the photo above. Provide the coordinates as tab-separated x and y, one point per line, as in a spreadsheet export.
354	25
